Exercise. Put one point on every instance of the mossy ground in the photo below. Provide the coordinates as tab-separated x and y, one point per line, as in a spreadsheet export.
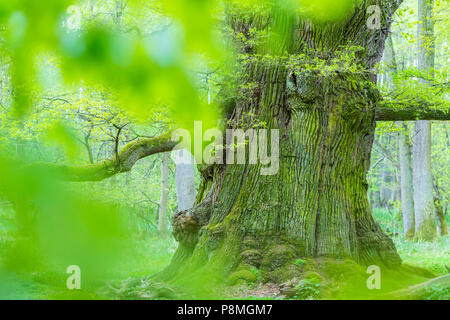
338	279
39	281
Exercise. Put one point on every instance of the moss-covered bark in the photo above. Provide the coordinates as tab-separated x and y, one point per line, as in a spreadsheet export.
316	205
123	161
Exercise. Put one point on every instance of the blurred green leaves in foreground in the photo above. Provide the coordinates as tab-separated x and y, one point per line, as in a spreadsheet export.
146	58
144	65
57	227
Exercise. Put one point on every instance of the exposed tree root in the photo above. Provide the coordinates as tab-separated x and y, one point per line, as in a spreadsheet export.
422	290
144	289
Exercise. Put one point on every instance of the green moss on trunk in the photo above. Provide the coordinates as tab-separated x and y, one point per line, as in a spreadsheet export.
316	205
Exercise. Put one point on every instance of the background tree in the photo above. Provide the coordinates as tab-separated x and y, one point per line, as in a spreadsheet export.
404	150
163	201
425	211
185	178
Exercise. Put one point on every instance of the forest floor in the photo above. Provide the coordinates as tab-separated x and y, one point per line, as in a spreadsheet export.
146	256
151	255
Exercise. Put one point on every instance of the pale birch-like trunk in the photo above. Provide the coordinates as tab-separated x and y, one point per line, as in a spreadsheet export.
425	217
404	148
406	181
164	193
185	179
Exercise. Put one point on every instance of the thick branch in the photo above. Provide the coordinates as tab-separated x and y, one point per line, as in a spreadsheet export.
122	162
410	113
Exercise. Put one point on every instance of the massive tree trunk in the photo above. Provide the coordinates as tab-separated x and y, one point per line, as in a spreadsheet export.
425	217
316	205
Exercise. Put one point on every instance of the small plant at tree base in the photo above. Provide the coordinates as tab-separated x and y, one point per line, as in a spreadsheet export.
307	289
299	262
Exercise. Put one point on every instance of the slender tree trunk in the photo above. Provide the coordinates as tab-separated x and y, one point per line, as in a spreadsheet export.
88	147
406	180
404	148
162	225
425	217
386	177
185	179
377	195
118	12
442	223
386	185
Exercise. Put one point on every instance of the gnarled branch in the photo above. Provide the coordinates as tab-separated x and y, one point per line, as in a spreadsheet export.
122	162
410	113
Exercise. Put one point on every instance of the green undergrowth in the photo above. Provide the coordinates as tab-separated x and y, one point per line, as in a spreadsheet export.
321	278
434	256
48	281
28	276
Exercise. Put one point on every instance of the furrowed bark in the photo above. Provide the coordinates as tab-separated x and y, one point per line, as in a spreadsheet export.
316	205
